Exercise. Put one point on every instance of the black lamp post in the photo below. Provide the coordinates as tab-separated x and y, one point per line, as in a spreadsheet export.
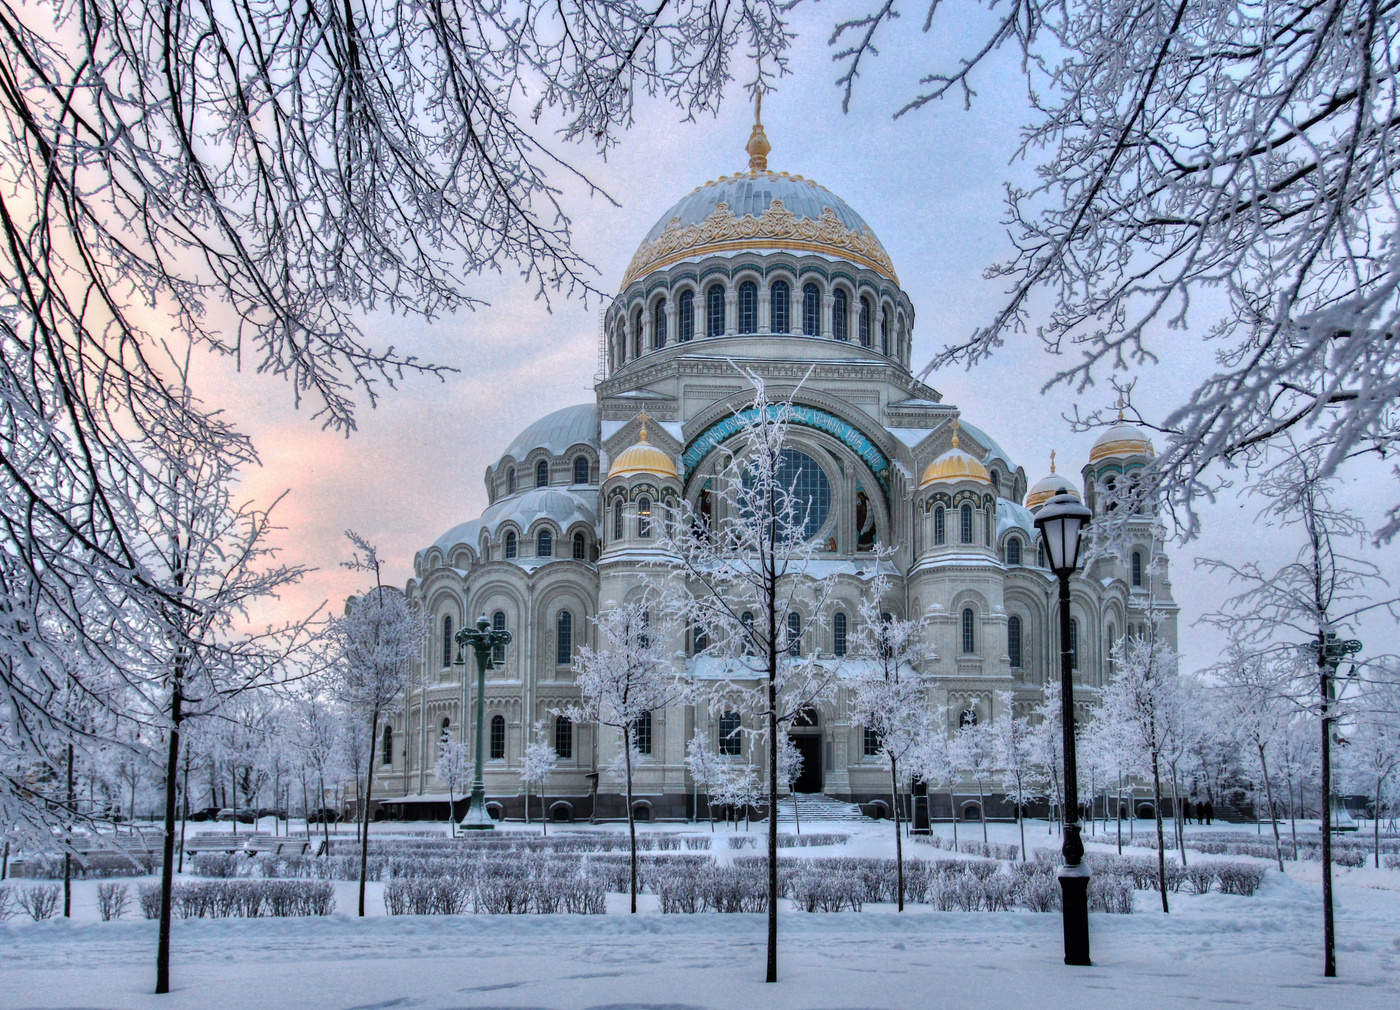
1060	521
481	640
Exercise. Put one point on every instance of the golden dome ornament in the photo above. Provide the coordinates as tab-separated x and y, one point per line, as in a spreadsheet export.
643	457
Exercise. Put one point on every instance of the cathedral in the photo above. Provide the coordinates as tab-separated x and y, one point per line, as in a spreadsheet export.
777	273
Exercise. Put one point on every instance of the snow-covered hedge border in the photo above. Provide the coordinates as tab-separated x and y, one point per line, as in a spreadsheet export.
223	899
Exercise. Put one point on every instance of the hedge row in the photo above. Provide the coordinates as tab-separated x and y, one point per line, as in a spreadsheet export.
500	890
987	850
223	899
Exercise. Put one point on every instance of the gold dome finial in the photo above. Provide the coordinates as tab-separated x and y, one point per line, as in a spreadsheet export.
643	436
1120	406
955	431
1052	460
758	146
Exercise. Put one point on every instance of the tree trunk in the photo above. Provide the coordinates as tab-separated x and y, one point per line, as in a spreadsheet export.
1376	820
184	814
796	817
631	817
233	775
1292	816
953	806
364	809
1118	812
1161	842
325	819
167	862
544	813
1021	820
1329	940
68	848
982	811
898	842
1177	828
771	974
1269	795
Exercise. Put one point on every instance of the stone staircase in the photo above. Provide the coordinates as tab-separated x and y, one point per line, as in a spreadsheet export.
817	807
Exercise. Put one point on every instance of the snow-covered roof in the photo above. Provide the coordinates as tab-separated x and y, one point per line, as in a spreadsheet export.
994	451
557	431
564	506
1010	515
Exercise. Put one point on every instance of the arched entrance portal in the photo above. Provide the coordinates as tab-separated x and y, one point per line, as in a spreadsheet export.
806	736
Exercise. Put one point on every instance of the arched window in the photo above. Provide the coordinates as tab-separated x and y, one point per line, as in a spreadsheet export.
1137	569
510	481
641	733
1073	644
779	305
746	619
940	533
447	640
617	519
510	545
870	745
445	730
580	469
748	307
1013	641
542	473
1040	554
580	547
995	475
794	632
644	517
564	639
811	310
658	324
838	634
498	623
840	316
563	737
498	737
544	544
714	311
965	524
967	718
1112	641
637	332
863	326
1013	551
989	525
386	756
969	636
687	316
730	741
699	640
885	334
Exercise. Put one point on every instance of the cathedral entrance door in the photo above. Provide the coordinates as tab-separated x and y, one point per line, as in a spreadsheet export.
809	745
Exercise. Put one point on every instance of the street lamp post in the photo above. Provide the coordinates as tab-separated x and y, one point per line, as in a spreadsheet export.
481	640
1060	522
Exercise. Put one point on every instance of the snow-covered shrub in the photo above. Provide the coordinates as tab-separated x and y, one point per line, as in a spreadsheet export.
222	899
1036	892
1110	893
1391	862
40	901
787	841
734	888
7	903
917	876
112	900
1201	876
696	842
425	896
1239	878
503	889
297	897
817	889
148	897
679	890
1346	856
221	865
743	842
981	869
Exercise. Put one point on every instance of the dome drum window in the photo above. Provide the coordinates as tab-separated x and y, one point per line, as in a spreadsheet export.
542	473
840	316
658	324
748	307
714	311
779	308
686	320
544	544
811	310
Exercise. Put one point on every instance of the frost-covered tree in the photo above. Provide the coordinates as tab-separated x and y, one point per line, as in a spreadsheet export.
974	753
453	769
1143	698
375	644
1207	165
888	697
1016	757
1373	749
1296	614
789	771
707	771
536	765
747	579
624	678
1258	710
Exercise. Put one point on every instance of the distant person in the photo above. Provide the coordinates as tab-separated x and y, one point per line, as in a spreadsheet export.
1209	811
1186	811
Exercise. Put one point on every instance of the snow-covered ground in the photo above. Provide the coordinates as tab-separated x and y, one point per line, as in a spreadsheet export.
1212	950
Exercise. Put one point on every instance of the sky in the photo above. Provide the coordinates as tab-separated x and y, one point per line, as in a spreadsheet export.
930	185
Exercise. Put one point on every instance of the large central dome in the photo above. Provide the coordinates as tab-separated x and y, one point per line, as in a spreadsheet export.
758	211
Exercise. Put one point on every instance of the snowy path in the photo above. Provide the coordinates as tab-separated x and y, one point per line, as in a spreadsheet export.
1214	951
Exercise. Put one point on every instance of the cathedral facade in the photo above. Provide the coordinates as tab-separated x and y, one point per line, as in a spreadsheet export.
777	273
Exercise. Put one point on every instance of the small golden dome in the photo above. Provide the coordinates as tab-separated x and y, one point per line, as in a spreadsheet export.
954	465
1121	440
1048	487
643	457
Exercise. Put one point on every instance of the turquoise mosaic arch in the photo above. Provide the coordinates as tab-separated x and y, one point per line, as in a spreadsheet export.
806	417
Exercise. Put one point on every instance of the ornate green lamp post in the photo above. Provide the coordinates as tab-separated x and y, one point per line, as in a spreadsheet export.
482	640
1060	521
